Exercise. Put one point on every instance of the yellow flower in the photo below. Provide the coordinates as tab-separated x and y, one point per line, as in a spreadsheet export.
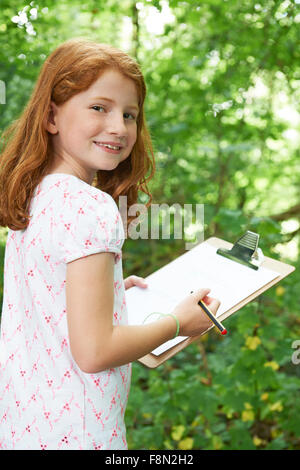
277	406
247	415
275	433
248	406
147	415
280	291
272	364
252	342
177	432
186	444
264	396
257	441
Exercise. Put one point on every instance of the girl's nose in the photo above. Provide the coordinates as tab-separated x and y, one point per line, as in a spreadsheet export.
116	124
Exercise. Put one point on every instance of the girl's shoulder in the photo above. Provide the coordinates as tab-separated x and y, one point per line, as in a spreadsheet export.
71	189
86	219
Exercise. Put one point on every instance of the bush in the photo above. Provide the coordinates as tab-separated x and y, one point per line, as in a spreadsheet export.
236	392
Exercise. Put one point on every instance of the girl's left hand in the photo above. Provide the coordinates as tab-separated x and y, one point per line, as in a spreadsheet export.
134	281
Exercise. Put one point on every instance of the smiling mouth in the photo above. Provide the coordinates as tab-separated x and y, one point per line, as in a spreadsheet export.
109	146
114	149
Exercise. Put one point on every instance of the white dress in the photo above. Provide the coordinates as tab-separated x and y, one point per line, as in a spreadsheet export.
46	401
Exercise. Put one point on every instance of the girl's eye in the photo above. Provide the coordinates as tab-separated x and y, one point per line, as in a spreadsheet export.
93	107
128	114
98	107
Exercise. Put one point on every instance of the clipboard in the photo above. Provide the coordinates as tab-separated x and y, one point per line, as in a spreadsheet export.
230	251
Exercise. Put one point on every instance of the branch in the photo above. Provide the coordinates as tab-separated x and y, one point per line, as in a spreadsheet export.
292	212
136	31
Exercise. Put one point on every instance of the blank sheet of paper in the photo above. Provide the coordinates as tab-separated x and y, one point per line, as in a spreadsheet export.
229	281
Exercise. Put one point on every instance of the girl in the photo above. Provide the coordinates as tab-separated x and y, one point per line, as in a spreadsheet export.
66	348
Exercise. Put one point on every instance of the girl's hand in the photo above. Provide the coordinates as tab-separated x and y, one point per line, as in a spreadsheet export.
134	281
193	321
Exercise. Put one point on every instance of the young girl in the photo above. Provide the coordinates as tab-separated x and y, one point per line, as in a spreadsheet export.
66	348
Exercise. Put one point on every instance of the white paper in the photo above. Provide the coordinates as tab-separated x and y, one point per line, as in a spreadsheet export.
230	282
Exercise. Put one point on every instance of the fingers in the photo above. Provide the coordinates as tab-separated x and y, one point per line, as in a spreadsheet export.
134	281
208	300
200	293
138	281
214	304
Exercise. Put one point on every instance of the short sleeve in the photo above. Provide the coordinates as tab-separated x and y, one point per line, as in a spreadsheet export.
89	222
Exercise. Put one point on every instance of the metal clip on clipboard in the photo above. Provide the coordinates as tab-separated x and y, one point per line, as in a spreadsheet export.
245	251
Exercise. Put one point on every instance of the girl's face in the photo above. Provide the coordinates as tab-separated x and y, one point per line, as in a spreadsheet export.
83	127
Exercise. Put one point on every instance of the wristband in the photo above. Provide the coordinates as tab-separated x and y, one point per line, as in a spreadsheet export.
166	315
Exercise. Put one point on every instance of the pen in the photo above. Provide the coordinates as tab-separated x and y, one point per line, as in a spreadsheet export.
211	316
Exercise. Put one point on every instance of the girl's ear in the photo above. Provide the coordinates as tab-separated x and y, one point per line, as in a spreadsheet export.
50	125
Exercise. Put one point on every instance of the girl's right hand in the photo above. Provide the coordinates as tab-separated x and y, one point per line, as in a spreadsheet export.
192	319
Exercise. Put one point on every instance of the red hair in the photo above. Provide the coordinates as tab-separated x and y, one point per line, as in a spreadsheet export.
26	155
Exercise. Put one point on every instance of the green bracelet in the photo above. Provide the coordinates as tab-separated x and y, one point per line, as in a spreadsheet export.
166	315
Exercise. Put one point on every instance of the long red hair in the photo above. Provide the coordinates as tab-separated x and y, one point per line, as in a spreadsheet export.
26	155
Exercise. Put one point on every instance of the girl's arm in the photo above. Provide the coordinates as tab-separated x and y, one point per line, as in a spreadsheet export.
96	344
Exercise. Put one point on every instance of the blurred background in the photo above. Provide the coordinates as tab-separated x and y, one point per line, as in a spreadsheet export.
223	81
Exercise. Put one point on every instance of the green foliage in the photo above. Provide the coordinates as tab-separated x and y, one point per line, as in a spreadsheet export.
223	87
233	393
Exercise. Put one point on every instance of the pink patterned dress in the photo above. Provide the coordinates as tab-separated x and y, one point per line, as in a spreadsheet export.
46	401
